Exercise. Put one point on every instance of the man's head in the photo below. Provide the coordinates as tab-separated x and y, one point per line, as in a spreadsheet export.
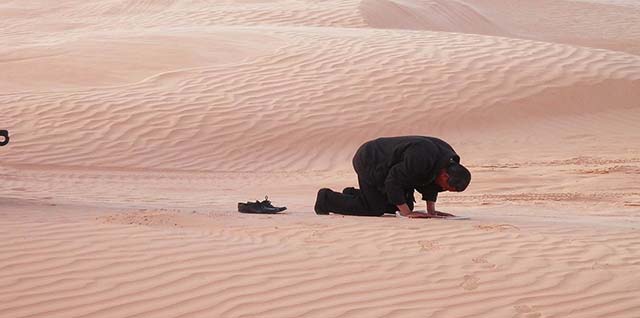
454	178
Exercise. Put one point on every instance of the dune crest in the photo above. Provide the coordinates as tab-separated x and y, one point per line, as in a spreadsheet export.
434	15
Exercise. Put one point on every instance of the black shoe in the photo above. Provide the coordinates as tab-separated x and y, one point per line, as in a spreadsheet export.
351	191
319	206
264	207
5	135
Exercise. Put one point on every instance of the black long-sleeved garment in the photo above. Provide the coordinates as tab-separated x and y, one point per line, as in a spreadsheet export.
397	165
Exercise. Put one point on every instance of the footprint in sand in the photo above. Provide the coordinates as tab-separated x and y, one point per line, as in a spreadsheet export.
482	260
428	245
470	282
527	311
318	236
496	227
314	237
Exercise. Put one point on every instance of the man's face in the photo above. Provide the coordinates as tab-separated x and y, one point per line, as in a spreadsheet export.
442	180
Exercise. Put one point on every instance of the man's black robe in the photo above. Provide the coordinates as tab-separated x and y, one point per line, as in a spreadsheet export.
398	165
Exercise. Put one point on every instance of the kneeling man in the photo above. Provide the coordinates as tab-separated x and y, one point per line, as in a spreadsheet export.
389	170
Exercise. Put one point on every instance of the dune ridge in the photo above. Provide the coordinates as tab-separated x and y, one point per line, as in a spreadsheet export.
450	16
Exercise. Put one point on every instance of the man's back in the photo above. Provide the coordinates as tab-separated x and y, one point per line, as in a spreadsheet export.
374	158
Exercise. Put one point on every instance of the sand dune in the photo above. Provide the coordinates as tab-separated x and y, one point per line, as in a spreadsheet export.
600	24
136	127
99	59
372	80
154	266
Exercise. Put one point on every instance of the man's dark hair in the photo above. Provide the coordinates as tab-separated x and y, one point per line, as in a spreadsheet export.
459	176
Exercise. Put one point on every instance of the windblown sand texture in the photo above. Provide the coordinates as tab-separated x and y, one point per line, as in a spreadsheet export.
136	127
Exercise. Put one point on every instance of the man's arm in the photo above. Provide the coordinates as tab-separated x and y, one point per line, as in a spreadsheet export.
402	174
431	206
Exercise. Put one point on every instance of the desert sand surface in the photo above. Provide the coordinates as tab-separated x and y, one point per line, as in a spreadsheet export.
137	126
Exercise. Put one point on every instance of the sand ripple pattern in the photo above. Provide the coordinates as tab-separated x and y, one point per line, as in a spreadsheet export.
248	116
148	264
137	126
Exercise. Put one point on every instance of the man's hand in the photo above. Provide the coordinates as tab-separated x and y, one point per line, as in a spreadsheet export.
419	215
440	214
404	211
422	215
431	210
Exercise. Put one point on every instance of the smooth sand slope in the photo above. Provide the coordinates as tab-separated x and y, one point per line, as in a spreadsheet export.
138	125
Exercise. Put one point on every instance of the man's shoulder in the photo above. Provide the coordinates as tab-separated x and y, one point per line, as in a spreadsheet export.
439	144
410	139
427	144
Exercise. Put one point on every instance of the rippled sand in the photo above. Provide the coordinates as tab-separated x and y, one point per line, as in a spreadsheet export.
137	126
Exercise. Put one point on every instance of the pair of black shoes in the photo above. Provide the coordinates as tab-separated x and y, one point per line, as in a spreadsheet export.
259	207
